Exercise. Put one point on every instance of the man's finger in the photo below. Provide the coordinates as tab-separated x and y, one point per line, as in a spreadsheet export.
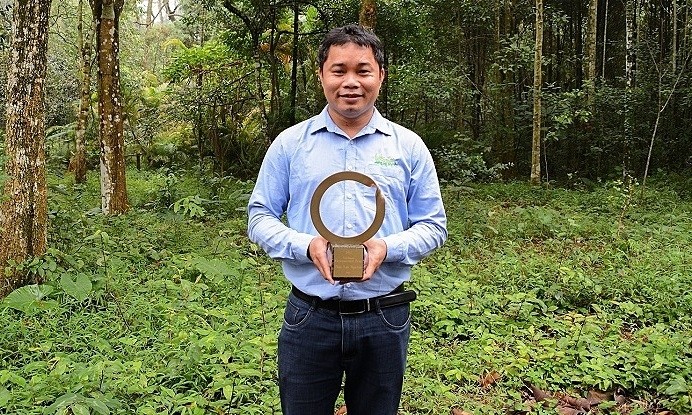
318	253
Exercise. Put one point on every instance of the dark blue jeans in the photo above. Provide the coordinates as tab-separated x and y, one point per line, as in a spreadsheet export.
317	347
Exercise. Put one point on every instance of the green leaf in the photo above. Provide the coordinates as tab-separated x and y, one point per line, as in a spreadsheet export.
7	376
228	391
99	407
677	385
213	267
30	299
62	402
80	288
80	409
5	397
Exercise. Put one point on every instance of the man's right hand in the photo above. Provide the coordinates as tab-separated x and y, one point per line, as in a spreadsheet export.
318	254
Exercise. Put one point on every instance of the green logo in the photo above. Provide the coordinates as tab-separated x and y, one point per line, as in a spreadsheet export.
381	160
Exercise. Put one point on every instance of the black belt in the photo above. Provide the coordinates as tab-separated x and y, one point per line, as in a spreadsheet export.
396	297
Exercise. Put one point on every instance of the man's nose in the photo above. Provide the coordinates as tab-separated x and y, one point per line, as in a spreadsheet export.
351	80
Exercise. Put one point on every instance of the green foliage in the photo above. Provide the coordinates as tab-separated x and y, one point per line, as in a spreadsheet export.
190	61
30	299
78	288
190	206
59	142
171	148
456	162
540	288
565	112
209	95
161	312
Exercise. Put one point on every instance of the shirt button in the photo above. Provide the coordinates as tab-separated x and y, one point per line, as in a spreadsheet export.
348	284
349	196
349	226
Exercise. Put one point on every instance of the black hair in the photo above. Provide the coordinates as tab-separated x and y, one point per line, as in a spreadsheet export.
351	34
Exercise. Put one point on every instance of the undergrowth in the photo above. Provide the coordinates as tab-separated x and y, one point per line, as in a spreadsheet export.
169	309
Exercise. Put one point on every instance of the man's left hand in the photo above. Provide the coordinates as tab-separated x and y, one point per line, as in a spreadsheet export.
375	255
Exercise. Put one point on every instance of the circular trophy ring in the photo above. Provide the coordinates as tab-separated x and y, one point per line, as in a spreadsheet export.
317	217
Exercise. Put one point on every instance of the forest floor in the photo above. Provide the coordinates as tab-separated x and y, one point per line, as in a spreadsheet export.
542	300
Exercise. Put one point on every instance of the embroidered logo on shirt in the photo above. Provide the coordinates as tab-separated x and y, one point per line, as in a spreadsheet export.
381	160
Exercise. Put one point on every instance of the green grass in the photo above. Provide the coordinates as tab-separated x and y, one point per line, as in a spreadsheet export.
164	312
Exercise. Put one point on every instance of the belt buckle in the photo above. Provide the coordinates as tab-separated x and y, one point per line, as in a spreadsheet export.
368	307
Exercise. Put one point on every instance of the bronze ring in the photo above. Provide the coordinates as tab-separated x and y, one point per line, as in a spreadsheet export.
317	198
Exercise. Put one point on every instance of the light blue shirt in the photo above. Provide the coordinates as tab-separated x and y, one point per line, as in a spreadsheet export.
302	156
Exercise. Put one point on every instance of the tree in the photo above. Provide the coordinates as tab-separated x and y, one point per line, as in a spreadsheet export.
255	21
590	68
294	61
537	81
150	13
674	36
630	75
368	14
113	188
23	210
78	161
170	11
605	38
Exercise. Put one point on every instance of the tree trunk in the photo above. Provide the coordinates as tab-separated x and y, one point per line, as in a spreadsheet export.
113	187
150	12
630	75
294	61
537	81
686	26
78	161
591	50
160	14
23	210
200	119
368	14
605	40
170	12
577	38
461	98
674	40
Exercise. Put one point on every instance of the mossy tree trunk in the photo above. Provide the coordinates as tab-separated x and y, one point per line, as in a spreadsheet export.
368	14
78	161
113	187
23	205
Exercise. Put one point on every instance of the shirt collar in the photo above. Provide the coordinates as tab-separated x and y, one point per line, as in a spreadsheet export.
376	123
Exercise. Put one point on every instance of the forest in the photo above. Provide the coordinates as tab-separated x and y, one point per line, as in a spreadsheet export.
134	131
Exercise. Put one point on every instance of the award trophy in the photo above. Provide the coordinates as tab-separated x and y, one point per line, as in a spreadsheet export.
348	253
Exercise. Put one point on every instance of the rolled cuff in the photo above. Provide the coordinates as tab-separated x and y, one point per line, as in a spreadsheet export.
300	247
396	248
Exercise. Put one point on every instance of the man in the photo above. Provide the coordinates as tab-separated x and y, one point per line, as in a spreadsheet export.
331	329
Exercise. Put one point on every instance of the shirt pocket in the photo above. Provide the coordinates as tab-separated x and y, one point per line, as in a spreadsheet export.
391	180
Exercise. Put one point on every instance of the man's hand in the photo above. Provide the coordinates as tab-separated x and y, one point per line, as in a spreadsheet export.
318	253
376	253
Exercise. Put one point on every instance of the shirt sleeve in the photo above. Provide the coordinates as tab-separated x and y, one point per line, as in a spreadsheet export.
267	205
427	220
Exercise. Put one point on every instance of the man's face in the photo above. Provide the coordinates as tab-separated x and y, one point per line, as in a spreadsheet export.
351	80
